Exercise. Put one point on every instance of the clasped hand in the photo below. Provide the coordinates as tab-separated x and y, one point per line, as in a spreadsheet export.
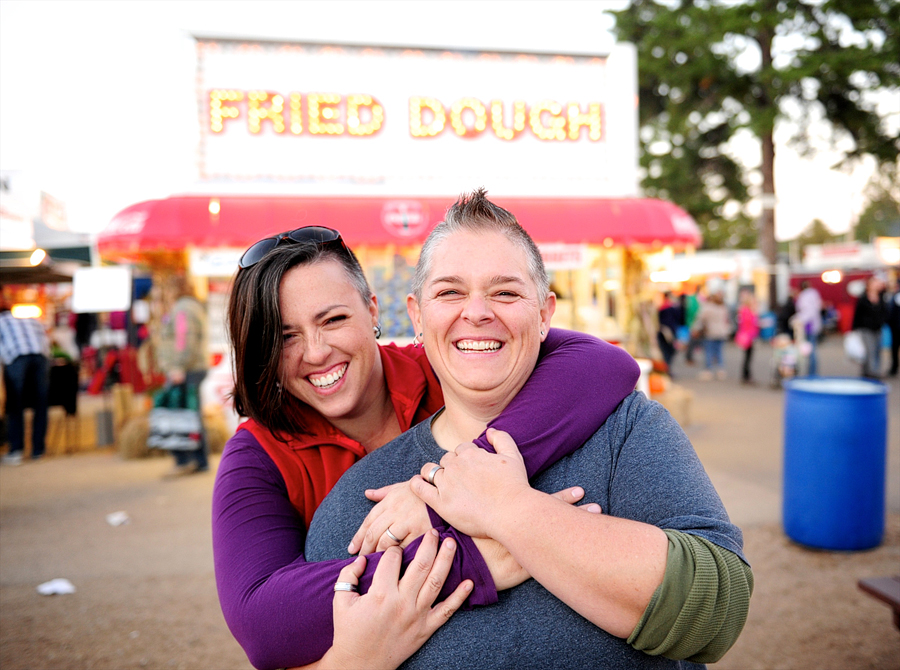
474	484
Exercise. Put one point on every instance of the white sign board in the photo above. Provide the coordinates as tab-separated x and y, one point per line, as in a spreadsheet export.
326	119
214	262
105	289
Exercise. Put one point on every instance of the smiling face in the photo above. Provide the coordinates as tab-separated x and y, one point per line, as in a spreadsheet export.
330	359
481	318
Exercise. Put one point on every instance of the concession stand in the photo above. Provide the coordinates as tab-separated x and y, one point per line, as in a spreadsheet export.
377	141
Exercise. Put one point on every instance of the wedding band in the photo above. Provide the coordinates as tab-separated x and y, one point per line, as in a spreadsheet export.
345	586
392	536
434	471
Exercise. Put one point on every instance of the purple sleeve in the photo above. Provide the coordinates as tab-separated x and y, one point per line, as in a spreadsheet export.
578	382
276	604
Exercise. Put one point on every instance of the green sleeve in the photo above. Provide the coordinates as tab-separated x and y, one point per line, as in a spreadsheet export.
701	606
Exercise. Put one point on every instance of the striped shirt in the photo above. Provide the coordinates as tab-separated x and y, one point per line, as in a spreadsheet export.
20	337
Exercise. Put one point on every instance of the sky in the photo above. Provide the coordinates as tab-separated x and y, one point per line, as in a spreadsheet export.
97	98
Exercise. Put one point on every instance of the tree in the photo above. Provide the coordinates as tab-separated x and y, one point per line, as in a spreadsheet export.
816	233
709	69
881	217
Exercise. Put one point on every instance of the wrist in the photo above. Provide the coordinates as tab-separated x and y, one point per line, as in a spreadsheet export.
503	517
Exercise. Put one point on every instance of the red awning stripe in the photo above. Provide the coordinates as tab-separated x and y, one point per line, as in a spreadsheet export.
180	221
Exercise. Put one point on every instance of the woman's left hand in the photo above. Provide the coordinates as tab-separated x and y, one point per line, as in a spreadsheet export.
474	483
399	510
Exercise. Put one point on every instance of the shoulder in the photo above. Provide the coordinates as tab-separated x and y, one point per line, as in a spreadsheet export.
245	455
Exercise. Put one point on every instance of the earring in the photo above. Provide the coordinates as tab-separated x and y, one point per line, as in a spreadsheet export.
542	332
416	342
278	386
377	329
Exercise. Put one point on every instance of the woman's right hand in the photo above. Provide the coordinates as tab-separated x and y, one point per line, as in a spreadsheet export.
384	627
505	570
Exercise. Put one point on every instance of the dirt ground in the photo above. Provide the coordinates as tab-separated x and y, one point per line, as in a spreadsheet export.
145	593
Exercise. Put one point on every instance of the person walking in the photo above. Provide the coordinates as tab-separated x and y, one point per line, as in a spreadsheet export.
183	357
893	321
691	308
24	350
670	320
808	322
747	332
714	325
868	318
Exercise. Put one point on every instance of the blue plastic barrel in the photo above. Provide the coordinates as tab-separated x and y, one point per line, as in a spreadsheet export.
835	453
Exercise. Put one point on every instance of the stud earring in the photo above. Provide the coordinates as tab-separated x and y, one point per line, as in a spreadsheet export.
377	329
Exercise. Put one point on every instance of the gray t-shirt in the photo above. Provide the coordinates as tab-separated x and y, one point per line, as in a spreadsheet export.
639	465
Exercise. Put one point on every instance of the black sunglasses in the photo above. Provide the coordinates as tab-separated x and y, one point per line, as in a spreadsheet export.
318	235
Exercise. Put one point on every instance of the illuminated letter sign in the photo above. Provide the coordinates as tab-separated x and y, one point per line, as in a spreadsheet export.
557	128
518	124
477	110
438	117
355	125
257	111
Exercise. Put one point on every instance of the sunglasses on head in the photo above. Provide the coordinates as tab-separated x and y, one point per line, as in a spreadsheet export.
317	235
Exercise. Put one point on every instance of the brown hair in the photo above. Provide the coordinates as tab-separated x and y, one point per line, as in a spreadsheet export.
255	332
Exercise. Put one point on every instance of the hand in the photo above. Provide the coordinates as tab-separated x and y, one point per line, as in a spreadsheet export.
384	627
474	484
400	510
505	570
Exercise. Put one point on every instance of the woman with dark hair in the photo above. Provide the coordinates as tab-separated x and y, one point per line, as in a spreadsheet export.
320	394
869	317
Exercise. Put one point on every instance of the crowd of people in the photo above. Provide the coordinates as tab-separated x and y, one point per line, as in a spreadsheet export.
700	318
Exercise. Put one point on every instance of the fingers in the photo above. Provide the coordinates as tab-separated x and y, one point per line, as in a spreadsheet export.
502	442
570	495
349	573
358	539
387	574
426	575
442	612
430	472
428	493
377	495
385	540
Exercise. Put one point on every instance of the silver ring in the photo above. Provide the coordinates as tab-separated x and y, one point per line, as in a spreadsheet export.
434	471
392	536
345	586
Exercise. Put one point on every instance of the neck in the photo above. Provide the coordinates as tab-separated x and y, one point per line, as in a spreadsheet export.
373	427
375	422
458	424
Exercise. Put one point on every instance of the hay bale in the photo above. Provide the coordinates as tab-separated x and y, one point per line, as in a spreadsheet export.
133	438
217	432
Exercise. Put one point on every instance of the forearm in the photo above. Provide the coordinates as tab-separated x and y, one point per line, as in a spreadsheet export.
604	568
578	382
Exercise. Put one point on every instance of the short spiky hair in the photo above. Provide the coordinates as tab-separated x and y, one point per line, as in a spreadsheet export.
475	213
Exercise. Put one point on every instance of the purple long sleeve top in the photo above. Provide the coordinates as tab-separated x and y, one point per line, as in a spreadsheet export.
279	606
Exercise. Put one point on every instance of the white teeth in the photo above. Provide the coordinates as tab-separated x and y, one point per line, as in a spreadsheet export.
478	345
329	379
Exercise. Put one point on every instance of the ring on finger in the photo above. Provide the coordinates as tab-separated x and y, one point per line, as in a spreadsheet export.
434	471
392	536
345	586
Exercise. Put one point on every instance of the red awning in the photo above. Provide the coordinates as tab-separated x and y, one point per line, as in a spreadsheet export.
238	221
